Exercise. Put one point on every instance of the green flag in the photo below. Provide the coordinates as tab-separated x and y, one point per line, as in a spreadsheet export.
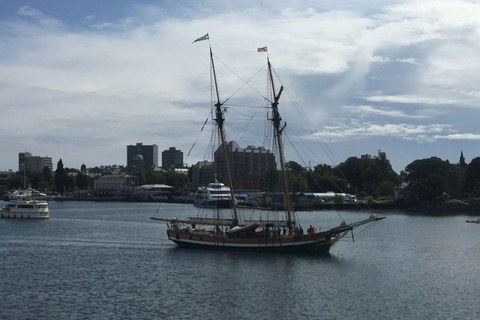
205	37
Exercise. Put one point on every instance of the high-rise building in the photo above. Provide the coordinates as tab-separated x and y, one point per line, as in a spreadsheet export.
202	173
148	153
33	163
172	158
248	166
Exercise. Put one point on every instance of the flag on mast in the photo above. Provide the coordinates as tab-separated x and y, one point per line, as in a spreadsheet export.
205	37
264	49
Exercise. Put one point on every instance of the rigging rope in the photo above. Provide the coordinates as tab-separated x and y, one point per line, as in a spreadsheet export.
363	231
321	142
206	120
244	82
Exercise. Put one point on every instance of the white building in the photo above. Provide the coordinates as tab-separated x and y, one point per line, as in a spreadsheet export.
115	182
154	192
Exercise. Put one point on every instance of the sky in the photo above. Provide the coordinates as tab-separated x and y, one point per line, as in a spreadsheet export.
81	80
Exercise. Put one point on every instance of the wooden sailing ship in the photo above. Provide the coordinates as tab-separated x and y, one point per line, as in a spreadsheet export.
254	235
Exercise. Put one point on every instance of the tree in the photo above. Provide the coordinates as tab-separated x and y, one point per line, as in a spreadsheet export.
35	178
429	179
385	189
43	186
16	182
461	162
329	183
294	167
472	177
82	181
47	175
60	178
69	183
365	175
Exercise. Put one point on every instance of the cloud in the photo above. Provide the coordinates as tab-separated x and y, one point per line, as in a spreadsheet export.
381	59
134	78
409	99
386	112
459	136
362	130
30	12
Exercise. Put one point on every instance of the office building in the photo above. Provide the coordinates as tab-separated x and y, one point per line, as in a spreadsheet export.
172	158
33	163
202	173
148	154
248	166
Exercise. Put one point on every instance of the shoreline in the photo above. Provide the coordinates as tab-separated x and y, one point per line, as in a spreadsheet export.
423	209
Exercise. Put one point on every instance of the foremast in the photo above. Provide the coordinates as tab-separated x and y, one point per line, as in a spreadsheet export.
220	119
276	120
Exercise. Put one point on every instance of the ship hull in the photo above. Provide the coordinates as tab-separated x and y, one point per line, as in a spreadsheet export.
24	215
273	245
221	204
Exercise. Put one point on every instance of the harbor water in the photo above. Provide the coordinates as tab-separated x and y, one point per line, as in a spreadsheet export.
94	260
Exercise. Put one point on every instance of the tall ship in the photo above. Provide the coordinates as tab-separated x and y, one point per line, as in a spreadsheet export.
214	195
25	205
237	233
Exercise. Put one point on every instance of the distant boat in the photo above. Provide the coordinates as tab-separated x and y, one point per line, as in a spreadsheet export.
284	235
32	193
26	204
23	206
215	195
473	221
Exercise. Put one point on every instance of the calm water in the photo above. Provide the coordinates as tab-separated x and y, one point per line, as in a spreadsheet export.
110	261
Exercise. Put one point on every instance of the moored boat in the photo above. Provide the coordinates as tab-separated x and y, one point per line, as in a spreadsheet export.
23	206
215	195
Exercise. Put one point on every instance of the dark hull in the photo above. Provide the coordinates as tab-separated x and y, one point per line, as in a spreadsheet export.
302	247
221	204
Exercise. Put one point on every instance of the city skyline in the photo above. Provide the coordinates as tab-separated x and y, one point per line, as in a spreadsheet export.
83	80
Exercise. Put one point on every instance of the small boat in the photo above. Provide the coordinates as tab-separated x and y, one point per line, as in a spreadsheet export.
23	206
32	193
473	221
252	227
215	195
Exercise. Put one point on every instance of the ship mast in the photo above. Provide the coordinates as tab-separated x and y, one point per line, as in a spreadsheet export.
220	119
276	120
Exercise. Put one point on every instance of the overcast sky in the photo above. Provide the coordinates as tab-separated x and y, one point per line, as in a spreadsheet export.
81	80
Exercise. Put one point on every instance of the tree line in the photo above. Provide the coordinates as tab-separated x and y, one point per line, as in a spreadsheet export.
430	180
426	180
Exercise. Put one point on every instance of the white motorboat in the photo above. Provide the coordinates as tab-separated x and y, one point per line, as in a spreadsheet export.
215	195
23	206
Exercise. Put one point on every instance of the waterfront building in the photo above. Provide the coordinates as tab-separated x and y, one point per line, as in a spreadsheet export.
154	192
114	183
33	163
248	165
172	158
202	173
148	153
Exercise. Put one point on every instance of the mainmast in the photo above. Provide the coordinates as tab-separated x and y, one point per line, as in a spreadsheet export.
220	119
276	120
